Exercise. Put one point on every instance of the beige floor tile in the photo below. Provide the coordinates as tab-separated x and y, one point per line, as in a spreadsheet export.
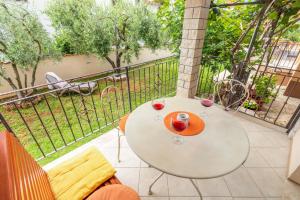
255	159
129	177
291	191
241	184
258	139
213	187
252	126
275	157
143	164
181	187
147	176
281	172
280	139
268	181
127	157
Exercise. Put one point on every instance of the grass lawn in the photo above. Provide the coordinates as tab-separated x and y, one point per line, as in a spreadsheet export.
60	124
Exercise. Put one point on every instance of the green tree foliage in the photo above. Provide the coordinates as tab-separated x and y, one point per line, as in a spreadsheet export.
224	27
170	15
92	29
23	42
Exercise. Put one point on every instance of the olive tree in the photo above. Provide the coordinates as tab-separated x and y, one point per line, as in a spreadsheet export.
23	42
122	28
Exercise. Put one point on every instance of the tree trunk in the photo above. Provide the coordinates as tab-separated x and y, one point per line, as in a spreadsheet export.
20	94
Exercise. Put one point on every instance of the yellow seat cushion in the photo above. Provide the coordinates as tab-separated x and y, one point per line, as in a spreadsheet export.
80	176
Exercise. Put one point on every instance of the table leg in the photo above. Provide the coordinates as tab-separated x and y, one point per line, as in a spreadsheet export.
197	189
150	187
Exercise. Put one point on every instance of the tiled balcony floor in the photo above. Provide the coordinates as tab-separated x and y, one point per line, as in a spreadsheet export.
262	177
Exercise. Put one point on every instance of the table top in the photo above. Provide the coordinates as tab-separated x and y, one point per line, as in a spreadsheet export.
221	148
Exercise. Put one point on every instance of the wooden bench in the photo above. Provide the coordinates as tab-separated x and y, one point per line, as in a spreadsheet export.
21	176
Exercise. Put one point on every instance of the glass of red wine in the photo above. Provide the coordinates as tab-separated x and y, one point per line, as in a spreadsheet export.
158	104
178	126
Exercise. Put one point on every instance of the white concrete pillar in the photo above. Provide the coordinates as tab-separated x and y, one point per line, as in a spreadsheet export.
194	25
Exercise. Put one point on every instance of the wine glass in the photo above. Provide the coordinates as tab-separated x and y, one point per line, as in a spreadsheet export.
178	126
158	104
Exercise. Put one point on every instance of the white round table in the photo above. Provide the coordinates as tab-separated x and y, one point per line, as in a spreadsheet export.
222	147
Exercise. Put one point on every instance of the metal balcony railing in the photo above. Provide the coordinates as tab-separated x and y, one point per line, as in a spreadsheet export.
46	122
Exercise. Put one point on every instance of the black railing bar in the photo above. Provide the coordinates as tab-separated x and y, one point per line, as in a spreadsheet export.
144	72
149	83
134	88
165	75
169	77
88	75
76	113
162	79
240	111
122	95
274	97
6	125
140	85
103	110
200	79
298	54
43	125
267	64
154	79
116	98
28	128
207	77
128	88
85	108
293	119
288	97
265	89
54	119
279	59
176	67
66	117
287	60
94	106
80	138
100	100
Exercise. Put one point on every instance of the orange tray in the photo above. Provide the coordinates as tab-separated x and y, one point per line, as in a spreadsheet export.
196	124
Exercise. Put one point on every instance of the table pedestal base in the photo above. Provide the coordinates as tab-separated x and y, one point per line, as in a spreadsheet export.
161	174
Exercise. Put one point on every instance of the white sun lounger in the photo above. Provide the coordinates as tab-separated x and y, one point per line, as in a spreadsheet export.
55	82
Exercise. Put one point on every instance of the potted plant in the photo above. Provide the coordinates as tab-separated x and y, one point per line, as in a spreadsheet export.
264	89
251	104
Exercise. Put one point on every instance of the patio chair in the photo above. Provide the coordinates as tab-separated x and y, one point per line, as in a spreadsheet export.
55	82
111	105
87	176
226	92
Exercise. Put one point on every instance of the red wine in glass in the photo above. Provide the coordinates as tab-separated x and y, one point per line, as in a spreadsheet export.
178	126
158	104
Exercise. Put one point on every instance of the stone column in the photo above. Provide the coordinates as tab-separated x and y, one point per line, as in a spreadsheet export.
194	25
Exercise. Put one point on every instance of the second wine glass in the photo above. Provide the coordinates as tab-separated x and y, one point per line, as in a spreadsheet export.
158	104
